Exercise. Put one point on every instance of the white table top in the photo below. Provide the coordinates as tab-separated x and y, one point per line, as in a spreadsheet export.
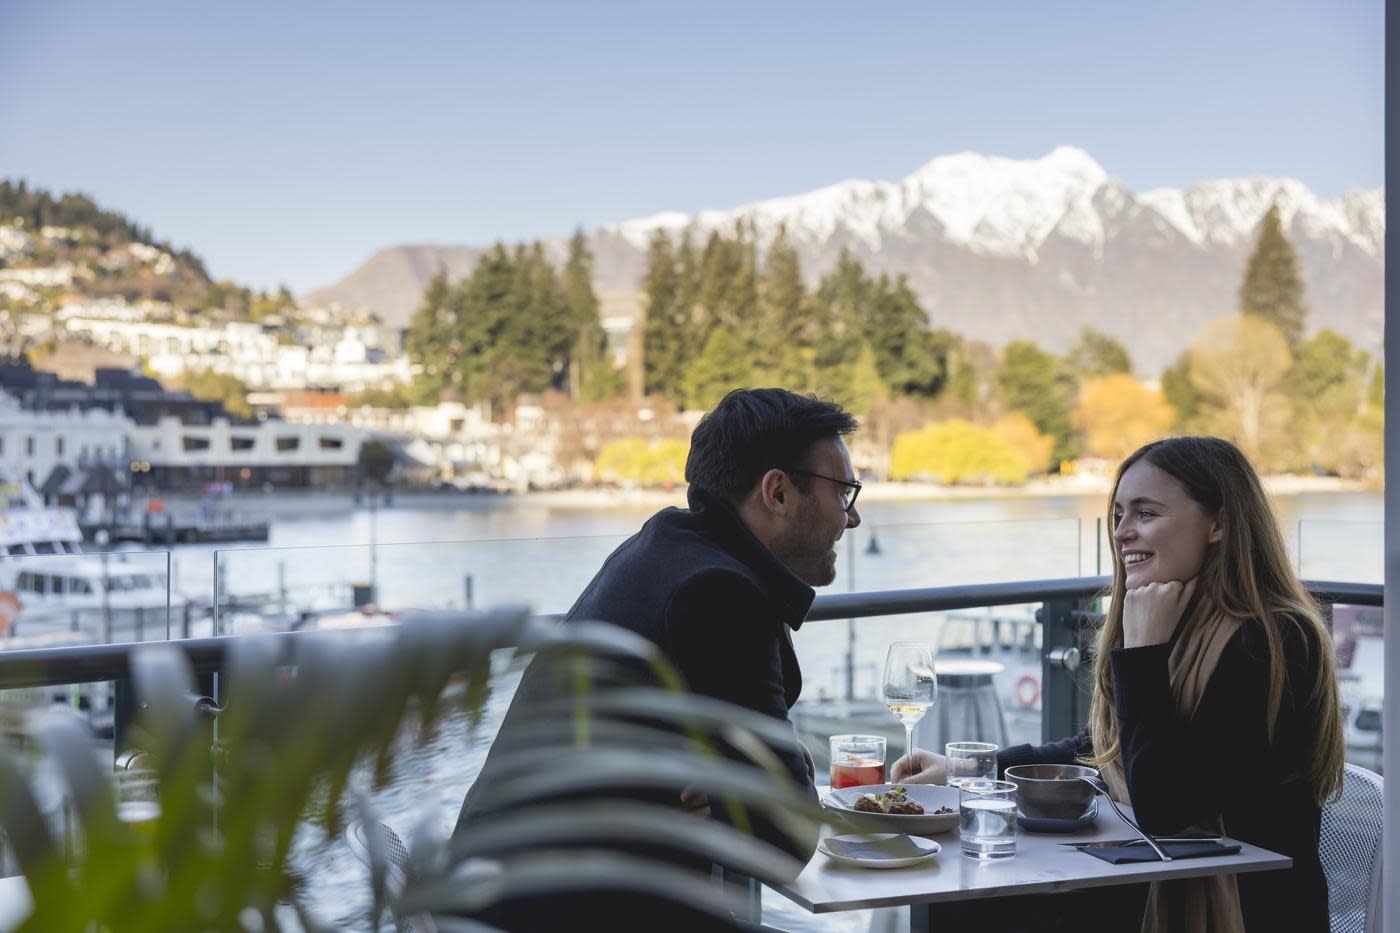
1041	866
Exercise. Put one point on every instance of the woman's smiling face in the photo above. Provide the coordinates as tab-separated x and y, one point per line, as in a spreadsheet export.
1161	533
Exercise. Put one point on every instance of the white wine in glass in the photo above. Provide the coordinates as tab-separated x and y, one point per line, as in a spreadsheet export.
910	686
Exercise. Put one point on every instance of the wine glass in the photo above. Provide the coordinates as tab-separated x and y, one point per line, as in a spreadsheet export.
910	686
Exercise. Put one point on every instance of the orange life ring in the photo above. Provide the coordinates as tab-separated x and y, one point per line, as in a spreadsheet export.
1027	690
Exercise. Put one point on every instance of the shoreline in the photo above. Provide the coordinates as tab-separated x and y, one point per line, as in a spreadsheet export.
291	503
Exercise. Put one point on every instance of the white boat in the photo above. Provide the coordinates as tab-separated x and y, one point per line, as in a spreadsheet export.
28	527
117	596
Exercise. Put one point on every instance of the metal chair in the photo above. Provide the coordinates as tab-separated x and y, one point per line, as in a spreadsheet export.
362	837
1350	849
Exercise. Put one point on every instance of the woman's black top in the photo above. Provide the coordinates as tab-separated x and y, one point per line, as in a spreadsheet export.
1221	762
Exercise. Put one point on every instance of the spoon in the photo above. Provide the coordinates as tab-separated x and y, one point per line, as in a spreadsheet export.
1098	785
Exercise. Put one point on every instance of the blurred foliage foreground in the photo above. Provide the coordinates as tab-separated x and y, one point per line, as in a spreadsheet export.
306	718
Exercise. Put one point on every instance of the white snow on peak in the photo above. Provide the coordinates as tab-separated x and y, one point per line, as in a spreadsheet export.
639	232
1227	212
1010	207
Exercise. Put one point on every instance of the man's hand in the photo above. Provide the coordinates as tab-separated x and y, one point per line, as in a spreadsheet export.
1150	612
922	767
695	802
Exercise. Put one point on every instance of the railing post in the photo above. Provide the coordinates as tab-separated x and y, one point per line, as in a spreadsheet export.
1065	684
123	709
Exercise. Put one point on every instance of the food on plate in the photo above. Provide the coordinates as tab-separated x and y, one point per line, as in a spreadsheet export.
895	800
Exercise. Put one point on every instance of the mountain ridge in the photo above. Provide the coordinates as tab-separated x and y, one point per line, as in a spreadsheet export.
1000	249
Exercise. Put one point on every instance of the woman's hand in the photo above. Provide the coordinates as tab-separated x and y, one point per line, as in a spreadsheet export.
1150	612
921	767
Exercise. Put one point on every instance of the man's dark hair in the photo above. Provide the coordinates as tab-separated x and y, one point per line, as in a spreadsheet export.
751	431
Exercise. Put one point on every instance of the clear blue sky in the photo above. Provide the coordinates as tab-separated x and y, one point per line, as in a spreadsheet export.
287	141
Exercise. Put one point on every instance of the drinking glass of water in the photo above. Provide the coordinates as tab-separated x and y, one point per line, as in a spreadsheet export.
137	801
910	685
987	819
970	761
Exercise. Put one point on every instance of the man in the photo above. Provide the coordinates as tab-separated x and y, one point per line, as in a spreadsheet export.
720	586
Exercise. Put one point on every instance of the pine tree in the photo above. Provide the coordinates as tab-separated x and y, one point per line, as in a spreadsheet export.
663	330
841	319
432	343
720	367
788	329
1097	354
908	355
856	384
488	367
1273	287
592	375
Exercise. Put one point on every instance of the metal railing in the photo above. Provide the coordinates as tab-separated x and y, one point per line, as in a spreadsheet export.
41	667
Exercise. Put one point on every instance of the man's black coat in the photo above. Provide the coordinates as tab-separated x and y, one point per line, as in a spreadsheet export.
718	604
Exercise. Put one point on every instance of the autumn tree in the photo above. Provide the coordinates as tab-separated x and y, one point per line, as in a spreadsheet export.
957	452
1117	414
1238	364
1020	434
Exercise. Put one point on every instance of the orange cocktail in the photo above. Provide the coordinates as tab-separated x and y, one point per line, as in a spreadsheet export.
855	771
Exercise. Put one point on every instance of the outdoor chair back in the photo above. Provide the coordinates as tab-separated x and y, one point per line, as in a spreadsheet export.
359	836
1350	849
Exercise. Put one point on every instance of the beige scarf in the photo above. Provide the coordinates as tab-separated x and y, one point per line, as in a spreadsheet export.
1191	905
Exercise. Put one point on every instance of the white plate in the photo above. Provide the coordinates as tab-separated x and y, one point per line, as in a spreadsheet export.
930	848
930	796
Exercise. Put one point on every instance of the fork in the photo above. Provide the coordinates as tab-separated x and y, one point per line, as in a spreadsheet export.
1099	786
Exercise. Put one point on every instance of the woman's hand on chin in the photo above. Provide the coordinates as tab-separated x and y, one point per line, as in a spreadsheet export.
1151	611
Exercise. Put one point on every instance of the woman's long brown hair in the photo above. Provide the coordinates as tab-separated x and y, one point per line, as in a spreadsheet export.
1248	577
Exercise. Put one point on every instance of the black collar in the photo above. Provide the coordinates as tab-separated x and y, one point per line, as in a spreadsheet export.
790	592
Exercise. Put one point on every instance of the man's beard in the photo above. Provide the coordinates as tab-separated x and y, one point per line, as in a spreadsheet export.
808	551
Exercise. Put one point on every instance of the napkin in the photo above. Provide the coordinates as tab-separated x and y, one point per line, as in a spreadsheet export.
1119	853
899	846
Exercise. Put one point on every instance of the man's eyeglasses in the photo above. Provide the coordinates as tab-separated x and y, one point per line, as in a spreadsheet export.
848	495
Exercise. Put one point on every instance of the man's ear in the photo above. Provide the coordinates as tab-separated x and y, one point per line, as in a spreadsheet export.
775	491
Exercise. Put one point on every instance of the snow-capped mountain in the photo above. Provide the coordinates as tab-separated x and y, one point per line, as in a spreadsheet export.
1000	249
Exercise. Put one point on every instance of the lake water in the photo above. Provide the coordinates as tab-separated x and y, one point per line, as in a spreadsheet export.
444	551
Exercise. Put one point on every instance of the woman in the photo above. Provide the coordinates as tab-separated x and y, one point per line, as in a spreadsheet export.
1215	700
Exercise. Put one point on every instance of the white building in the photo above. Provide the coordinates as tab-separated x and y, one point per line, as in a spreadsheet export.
32	443
59	276
14	242
278	452
349	362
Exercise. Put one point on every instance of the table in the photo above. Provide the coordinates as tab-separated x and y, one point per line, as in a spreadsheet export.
1041	866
